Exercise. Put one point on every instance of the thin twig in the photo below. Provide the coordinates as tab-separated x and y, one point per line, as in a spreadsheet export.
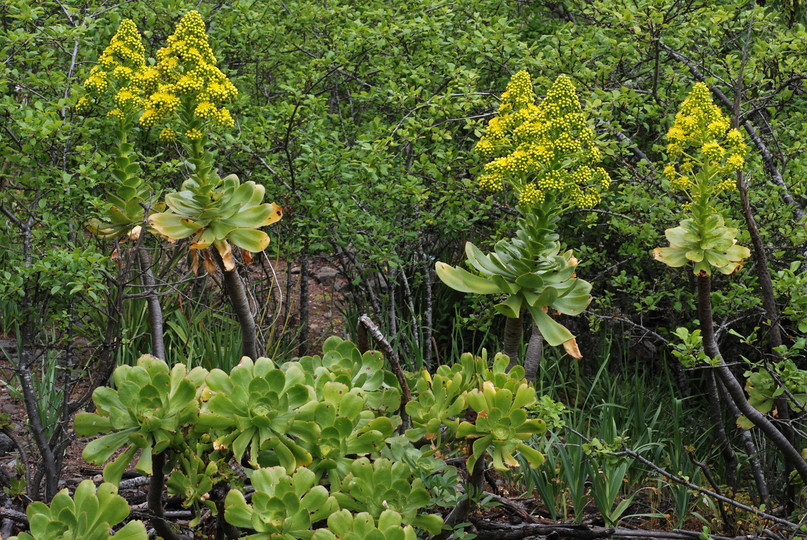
392	356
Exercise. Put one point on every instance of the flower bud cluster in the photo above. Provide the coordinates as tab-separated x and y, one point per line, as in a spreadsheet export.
542	148
530	195
701	135
119	68
187	67
167	135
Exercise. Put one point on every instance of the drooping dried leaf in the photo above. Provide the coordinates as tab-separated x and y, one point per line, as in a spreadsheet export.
225	250
134	234
572	349
208	263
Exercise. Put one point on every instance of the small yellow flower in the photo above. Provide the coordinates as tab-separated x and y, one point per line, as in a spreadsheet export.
167	135
193	134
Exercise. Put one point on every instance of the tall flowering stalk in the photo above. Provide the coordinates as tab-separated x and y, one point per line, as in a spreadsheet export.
705	154
120	83
117	84
185	95
188	102
547	154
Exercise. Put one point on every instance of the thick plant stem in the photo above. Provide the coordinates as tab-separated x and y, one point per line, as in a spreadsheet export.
733	387
153	302
223	529
720	431
512	339
155	499
460	513
532	358
234	287
769	304
750	448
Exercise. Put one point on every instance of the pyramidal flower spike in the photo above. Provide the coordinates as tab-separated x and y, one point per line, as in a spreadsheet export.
119	70
542	150
187	73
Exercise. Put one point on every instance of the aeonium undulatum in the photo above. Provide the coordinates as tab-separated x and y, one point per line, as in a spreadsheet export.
547	154
185	94
120	84
151	409
706	154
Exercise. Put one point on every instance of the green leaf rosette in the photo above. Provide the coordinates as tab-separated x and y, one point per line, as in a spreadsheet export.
502	423
257	408
151	410
217	213
282	506
530	270
386	485
363	374
88	515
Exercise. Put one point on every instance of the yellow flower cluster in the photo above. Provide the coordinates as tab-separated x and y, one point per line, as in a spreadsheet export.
193	134
120	66
490	183
83	104
542	148
162	103
167	135
149	80
530	195
186	66
96	83
681	183
701	135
